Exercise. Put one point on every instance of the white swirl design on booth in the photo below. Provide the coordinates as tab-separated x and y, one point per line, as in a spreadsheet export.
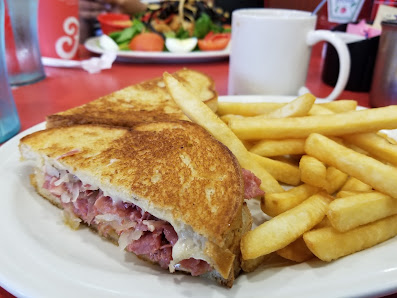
71	39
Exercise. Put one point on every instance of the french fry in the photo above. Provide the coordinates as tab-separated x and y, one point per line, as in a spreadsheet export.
300	106
296	108
296	251
322	224
271	148
361	121
253	264
376	145
285	228
319	110
387	137
335	179
349	193
247	109
313	171
337	140
274	204
340	106
259	108
355	148
353	184
292	159
281	171
328	244
226	118
200	113
350	212
247	144
368	170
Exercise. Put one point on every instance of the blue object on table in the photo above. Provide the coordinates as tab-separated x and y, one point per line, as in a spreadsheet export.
27	67
9	120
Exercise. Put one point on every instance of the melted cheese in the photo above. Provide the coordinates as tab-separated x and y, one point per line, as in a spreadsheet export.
189	245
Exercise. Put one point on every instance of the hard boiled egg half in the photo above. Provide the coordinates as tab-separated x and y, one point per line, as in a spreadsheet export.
176	45
107	43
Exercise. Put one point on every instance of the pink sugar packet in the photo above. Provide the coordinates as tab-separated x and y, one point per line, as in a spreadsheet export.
362	29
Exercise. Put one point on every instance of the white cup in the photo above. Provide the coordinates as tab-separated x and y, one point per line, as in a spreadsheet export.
270	52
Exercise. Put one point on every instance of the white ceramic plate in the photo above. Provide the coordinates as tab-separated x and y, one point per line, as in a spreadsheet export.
92	44
41	257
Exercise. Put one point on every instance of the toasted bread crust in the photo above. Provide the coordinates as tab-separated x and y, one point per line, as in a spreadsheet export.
176	159
176	166
145	102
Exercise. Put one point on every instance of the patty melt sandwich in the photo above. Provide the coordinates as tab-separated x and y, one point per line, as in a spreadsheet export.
166	191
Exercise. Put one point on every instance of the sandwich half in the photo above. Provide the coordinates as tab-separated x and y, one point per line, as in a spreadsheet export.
166	191
145	102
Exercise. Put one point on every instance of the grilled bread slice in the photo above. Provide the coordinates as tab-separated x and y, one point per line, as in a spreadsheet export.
171	178
144	102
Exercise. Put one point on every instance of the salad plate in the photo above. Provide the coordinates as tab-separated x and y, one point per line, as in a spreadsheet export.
42	257
92	44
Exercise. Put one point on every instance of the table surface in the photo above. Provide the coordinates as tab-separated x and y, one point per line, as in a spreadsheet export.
65	88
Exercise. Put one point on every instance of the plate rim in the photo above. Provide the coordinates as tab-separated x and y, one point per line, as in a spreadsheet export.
91	44
368	289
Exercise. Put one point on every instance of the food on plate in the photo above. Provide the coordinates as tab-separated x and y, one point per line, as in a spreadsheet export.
271	148
313	171
296	251
147	41
285	228
247	108
343	156
295	108
323	176
378	175
328	244
147	101
111	22
340	106
376	145
348	193
355	185
274	204
166	191
183	26
105	42
258	108
253	264
356	210
300	106
282	171
199	113
214	41
331	125
319	110
196	17
177	45
335	180
319	178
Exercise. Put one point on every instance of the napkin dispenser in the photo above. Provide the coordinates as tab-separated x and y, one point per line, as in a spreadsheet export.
363	56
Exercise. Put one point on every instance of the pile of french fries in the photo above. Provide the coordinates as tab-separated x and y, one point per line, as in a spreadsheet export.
338	171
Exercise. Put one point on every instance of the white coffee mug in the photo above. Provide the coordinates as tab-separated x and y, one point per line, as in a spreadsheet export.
270	52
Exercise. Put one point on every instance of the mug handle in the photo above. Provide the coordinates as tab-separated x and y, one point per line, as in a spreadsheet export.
314	37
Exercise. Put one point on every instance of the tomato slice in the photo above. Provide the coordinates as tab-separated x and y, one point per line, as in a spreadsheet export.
214	41
148	42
